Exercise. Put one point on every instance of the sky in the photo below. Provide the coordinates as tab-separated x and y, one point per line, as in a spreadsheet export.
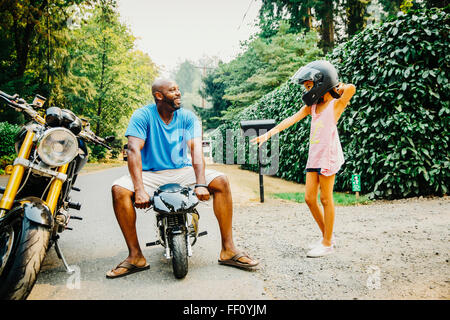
175	30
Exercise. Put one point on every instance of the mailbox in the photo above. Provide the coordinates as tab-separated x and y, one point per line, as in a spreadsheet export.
259	126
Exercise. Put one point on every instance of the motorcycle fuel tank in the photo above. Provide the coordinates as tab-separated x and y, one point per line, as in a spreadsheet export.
175	199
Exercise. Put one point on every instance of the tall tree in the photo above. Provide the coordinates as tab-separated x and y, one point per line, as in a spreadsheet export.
109	78
298	14
391	6
325	14
356	15
185	76
213	91
264	66
23	19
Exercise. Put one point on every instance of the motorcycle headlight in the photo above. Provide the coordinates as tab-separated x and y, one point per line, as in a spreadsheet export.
57	146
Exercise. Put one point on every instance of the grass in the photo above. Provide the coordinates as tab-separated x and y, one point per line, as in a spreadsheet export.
340	199
104	164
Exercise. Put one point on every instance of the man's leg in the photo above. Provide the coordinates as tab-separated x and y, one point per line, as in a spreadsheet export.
223	209
126	217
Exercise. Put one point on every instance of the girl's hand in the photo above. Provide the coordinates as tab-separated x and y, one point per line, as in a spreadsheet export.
261	139
340	88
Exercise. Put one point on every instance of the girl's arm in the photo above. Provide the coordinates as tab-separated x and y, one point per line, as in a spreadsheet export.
346	91
286	123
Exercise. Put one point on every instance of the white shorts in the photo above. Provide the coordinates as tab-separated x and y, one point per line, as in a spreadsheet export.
153	179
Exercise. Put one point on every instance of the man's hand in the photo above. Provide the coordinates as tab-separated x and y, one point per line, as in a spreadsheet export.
202	193
141	199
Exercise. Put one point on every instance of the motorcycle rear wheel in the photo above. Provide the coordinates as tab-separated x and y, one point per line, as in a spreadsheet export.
20	273
178	246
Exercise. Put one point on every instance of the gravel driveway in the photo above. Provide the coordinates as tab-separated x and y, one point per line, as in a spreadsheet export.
389	250
386	250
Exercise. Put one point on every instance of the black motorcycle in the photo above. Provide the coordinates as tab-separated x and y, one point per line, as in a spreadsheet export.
176	223
35	204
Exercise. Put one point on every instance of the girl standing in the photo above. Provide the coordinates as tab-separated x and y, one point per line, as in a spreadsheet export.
325	99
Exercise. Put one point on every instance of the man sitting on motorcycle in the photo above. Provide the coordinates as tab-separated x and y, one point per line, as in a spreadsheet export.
158	136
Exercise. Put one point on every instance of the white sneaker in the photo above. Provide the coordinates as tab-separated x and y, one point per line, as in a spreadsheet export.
315	244
320	251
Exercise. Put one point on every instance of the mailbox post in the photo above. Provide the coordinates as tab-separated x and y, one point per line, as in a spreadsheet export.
260	127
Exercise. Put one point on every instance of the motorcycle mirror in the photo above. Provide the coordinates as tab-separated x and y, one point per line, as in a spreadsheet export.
110	139
39	101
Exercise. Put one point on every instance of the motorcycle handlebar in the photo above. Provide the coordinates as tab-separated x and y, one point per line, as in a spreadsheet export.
13	101
7	96
90	136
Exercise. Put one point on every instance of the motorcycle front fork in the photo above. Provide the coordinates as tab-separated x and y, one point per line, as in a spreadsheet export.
168	254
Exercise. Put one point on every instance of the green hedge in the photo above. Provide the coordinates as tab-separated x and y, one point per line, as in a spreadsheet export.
395	131
8	134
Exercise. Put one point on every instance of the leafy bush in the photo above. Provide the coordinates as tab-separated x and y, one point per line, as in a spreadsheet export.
8	134
395	131
97	153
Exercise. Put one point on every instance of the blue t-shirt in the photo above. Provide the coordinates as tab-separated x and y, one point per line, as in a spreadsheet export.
165	144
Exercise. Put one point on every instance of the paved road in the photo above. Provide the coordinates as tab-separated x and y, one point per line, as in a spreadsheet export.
96	245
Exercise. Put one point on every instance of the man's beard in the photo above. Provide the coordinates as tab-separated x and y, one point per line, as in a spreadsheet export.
171	103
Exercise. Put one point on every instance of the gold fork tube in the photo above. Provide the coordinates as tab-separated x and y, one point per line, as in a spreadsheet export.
17	173
55	190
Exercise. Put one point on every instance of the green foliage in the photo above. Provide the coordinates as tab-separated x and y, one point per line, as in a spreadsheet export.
30	44
8	134
297	14
92	69
264	66
186	75
108	79
97	153
213	91
395	132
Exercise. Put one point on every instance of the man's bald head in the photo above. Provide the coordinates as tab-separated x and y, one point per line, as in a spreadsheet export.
160	84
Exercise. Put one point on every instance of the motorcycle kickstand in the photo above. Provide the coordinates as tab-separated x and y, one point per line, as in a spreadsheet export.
61	256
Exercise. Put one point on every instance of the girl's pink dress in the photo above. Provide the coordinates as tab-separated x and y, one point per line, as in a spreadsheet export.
325	151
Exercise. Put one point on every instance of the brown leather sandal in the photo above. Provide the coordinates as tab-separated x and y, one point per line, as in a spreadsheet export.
234	261
131	268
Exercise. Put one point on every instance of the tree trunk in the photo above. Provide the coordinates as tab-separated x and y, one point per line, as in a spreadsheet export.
356	16
23	36
307	21
102	81
327	27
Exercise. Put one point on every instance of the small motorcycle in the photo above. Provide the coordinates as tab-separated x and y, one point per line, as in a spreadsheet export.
35	204
176	223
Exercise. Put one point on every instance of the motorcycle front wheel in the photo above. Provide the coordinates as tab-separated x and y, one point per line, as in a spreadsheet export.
178	245
25	258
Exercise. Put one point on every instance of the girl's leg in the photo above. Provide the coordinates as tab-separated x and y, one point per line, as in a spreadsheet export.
326	198
312	189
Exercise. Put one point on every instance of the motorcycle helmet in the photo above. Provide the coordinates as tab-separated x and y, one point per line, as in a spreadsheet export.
324	76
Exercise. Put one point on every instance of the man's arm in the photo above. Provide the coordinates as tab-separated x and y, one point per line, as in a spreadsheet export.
198	163
141	197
